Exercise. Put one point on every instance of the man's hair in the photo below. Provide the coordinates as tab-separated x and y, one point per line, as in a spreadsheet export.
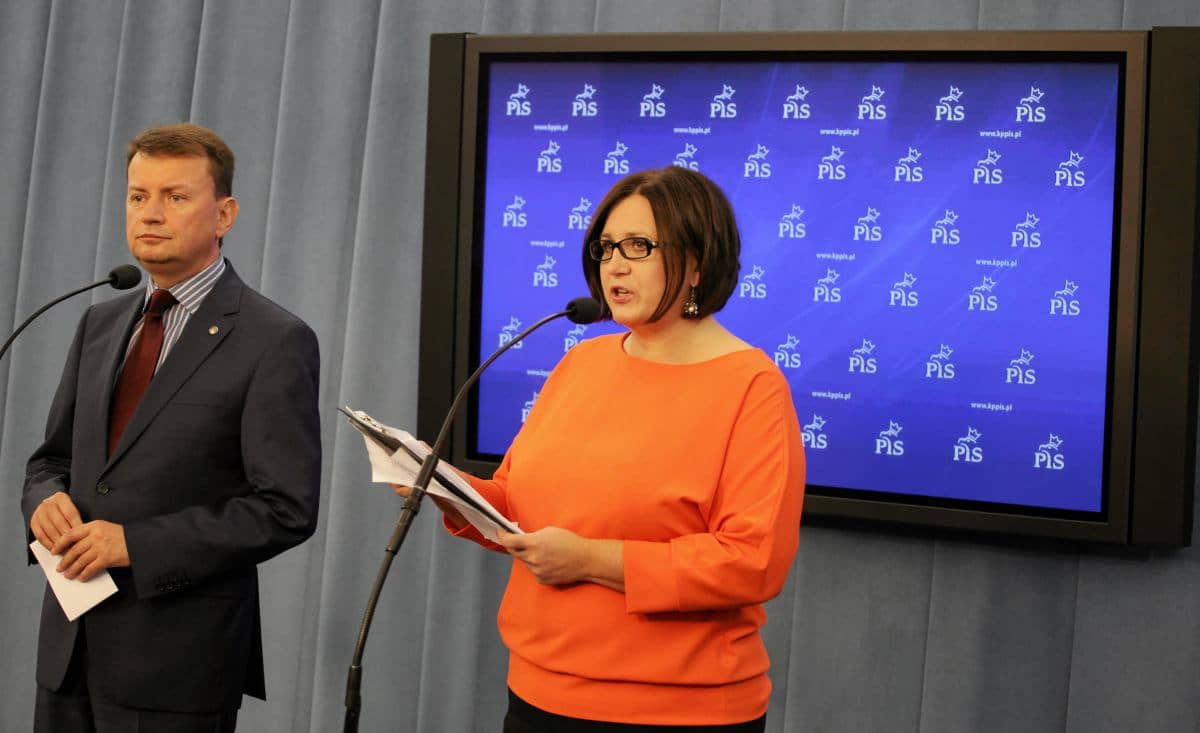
187	139
693	217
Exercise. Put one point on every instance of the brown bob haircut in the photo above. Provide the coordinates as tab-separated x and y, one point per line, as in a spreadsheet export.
186	139
693	219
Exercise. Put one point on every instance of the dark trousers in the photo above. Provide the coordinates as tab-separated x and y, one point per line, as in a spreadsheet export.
72	709
525	718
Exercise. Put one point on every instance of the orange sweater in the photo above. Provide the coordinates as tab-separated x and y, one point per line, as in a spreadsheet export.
699	468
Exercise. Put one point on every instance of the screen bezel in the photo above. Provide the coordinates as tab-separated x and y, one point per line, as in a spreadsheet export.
1129	48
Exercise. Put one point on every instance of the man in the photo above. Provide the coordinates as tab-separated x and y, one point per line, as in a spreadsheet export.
182	449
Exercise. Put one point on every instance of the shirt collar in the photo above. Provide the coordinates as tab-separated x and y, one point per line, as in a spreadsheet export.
191	292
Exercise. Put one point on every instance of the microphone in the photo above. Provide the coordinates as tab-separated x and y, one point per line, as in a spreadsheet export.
124	277
121	277
580	310
583	310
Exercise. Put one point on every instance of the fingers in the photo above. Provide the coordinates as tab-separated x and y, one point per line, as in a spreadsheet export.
91	569
77	560
401	490
54	517
511	541
68	539
68	509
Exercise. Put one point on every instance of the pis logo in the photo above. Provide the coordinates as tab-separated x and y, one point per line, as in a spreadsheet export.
907	170
966	448
831	168
812	435
1047	455
986	171
584	104
1025	234
867	228
513	214
888	443
825	291
939	365
615	162
981	298
527	407
786	356
1030	109
509	332
902	293
687	158
574	336
548	160
1063	302
756	165
518	103
871	107
794	106
944	231
790	226
544	275
861	361
652	104
948	109
1018	370
579	218
752	285
1069	173
722	104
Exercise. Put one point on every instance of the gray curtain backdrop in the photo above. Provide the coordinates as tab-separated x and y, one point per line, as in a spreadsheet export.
324	104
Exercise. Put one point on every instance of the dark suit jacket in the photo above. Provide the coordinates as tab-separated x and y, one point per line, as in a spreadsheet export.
218	470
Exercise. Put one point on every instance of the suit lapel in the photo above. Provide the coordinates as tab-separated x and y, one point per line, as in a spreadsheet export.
197	341
105	377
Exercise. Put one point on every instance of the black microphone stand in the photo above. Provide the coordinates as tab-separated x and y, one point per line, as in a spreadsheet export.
412	505
113	279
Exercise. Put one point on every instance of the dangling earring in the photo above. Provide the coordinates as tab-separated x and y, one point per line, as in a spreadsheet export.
690	308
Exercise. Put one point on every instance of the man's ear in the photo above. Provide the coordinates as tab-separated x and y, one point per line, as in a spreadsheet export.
227	211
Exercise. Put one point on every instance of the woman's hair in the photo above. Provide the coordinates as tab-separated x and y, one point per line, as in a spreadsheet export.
693	218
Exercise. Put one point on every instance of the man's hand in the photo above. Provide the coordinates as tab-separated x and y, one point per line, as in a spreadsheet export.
90	548
53	518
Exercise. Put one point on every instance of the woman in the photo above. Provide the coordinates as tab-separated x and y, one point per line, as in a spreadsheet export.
659	478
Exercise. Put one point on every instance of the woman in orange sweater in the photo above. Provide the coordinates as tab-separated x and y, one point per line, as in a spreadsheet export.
652	542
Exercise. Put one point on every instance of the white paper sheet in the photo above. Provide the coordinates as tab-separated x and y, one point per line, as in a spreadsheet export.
76	597
402	468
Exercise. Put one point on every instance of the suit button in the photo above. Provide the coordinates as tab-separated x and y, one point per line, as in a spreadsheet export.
103	488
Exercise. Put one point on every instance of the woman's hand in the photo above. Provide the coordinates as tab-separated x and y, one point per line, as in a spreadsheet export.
455	517
558	556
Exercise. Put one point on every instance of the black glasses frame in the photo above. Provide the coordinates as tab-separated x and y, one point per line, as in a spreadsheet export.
597	248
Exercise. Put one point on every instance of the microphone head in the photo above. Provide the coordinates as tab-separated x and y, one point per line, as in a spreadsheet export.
584	310
124	277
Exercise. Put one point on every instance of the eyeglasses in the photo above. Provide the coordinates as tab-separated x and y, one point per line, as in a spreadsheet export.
632	248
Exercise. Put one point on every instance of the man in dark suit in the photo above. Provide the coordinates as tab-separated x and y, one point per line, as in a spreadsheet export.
182	449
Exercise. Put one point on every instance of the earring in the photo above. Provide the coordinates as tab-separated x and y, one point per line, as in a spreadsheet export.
690	308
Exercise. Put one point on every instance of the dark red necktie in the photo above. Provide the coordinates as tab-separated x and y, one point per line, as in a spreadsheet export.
139	366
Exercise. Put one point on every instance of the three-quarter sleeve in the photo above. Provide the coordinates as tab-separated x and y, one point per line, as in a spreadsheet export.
754	520
494	491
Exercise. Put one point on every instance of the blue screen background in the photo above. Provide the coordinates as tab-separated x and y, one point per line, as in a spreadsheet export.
927	251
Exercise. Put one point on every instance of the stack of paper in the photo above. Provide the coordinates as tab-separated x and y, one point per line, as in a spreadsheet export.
396	458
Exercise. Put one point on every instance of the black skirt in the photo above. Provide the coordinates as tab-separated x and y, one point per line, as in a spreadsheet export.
525	718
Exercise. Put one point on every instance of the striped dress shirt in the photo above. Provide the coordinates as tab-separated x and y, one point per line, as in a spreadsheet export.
190	293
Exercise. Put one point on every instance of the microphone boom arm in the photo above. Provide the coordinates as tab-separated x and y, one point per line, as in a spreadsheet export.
45	308
412	505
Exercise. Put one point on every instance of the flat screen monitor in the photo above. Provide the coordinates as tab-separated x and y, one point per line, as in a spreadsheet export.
939	247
